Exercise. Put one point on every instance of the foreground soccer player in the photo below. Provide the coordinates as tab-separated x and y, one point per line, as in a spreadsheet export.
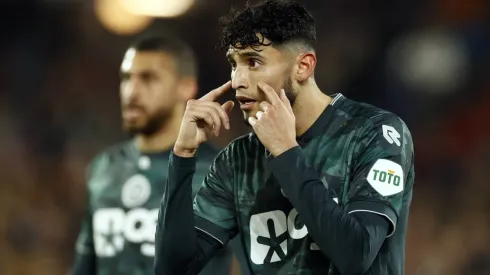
322	186
126	182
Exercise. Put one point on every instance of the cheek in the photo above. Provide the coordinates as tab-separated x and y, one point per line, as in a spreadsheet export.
124	93
162	96
274	76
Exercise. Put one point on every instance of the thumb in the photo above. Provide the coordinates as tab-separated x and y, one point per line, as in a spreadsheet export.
228	106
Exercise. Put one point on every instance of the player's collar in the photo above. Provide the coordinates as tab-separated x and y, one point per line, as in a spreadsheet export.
322	122
154	154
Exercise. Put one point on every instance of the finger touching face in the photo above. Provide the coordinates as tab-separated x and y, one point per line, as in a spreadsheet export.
216	93
251	66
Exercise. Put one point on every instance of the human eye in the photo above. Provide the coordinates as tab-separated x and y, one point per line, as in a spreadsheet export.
253	63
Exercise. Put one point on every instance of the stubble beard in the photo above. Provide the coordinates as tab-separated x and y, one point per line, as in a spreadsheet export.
290	95
154	123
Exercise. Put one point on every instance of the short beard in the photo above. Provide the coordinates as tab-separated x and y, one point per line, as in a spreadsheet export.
288	90
154	124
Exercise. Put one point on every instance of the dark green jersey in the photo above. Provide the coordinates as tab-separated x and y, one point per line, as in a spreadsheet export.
125	188
361	154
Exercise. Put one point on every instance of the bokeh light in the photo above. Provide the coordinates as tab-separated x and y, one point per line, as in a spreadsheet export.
158	8
431	61
116	18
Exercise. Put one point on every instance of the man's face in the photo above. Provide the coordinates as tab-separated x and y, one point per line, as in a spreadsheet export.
148	90
262	64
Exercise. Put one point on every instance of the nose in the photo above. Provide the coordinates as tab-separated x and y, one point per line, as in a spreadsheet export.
131	89
239	78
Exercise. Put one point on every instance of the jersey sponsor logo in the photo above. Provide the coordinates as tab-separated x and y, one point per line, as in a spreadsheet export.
113	228
135	191
269	235
386	177
391	135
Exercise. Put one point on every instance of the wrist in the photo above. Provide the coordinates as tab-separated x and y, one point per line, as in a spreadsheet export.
183	152
284	148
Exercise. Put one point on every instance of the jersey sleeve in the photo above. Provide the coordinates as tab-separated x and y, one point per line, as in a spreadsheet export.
85	244
214	207
382	169
84	261
203	164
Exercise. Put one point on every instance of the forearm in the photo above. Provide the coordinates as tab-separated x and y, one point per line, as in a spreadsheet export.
179	249
350	241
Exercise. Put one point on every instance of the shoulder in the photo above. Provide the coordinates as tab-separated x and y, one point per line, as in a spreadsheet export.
380	135
110	156
376	123
366	113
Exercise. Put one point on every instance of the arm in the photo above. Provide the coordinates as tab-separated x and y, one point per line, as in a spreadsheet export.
85	262
350	236
185	243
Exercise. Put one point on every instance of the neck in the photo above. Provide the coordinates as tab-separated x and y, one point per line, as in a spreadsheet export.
309	104
165	137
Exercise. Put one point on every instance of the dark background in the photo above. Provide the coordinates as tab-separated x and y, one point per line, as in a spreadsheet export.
427	61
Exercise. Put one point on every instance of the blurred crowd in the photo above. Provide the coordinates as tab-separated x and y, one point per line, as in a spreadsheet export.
427	61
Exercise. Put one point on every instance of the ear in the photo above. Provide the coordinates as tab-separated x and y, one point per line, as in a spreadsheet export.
187	88
305	66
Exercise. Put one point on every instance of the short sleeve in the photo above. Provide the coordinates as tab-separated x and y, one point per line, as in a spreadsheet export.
382	169
214	206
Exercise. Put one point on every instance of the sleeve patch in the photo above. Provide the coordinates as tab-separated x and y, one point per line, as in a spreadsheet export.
391	135
386	177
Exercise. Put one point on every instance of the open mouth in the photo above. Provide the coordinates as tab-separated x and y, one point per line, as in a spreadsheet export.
245	102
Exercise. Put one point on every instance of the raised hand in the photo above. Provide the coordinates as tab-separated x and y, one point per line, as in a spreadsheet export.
203	118
275	123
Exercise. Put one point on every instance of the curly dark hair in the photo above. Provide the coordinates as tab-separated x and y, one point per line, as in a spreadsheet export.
278	21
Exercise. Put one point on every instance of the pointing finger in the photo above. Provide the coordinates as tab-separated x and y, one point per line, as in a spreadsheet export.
216	93
270	93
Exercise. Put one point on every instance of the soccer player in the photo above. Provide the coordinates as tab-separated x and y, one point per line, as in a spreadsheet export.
126	182
323	185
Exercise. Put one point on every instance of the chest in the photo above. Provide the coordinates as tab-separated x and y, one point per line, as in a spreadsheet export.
124	200
273	232
128	184
257	190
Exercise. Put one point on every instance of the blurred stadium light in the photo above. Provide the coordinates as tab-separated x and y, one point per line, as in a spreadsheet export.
430	61
158	8
115	17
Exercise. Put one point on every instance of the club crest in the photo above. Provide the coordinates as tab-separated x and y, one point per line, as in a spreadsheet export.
135	191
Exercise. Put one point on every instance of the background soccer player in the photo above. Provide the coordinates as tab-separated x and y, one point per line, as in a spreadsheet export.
126	181
322	186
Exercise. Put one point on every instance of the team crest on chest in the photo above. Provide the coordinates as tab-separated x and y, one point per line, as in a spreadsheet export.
135	191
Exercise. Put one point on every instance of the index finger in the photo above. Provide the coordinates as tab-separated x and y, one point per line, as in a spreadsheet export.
216	93
270	93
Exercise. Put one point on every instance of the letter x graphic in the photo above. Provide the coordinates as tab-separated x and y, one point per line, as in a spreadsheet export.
274	242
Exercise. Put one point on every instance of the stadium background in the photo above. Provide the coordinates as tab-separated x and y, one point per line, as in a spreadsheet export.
427	61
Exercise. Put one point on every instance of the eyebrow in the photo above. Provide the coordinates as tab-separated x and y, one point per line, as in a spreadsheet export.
243	54
139	73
